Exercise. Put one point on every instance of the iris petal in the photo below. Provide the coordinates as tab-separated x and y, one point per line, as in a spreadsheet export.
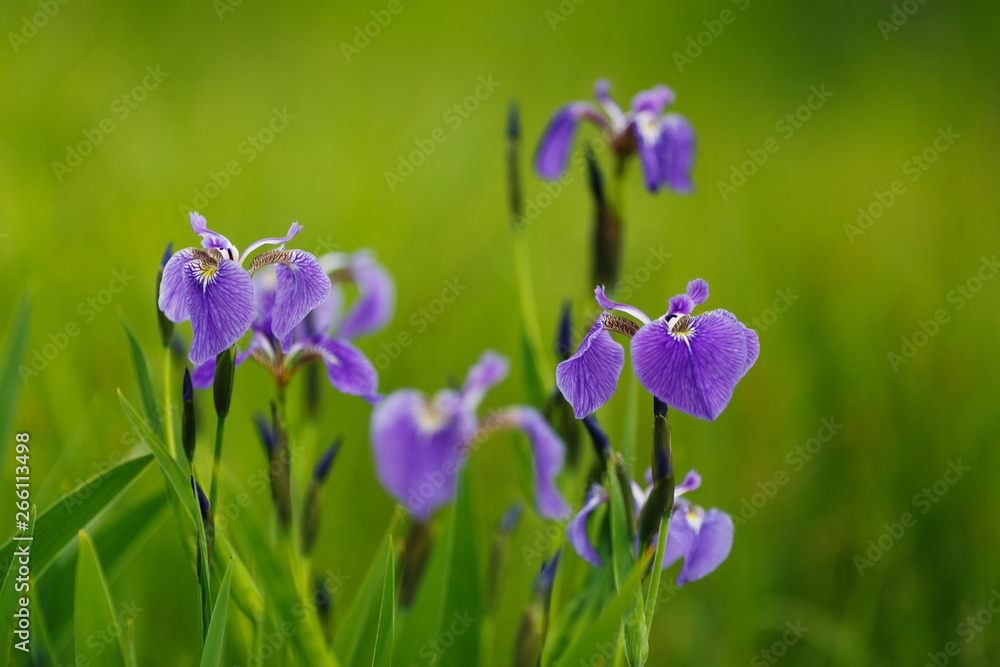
554	147
301	286
549	452
589	378
576	529
712	544
489	370
677	148
697	289
347	367
607	304
694	371
209	239
173	300
221	305
204	374
653	100
376	302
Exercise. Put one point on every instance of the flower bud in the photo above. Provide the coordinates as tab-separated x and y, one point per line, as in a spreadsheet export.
602	446
166	326
280	469
625	483
207	521
314	498
534	621
225	374
187	416
661	498
607	227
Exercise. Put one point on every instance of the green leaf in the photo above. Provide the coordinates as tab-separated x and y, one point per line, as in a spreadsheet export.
212	655
58	524
244	589
96	631
599	637
14	348
534	390
387	614
357	634
634	624
147	397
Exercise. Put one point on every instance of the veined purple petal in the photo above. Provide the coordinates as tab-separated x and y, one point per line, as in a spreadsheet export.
654	100
692	481
693	370
173	300
376	302
681	537
489	370
602	91
554	147
265	283
204	374
274	240
347	367
677	148
576	529
713	541
549	452
607	304
589	378
325	314
210	239
753	346
302	285
697	289
418	448
220	303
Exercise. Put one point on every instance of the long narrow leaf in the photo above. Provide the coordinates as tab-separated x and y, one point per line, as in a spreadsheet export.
99	637
59	524
13	356
147	397
212	655
387	614
359	628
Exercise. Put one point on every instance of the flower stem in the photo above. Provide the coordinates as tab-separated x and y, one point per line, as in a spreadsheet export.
654	579
220	426
529	312
168	408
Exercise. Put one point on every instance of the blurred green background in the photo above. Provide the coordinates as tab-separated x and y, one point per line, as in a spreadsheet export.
825	357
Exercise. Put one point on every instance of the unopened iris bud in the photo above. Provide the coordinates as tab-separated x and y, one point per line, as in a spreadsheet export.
314	498
279	468
513	170
602	446
534	621
225	374
501	550
323	598
661	497
206	519
564	335
166	326
187	416
607	227
625	483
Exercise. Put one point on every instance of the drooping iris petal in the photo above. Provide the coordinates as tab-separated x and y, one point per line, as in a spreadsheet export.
607	304
549	452
220	304
301	286
713	540
376	302
209	239
347	367
647	136
654	100
695	368
173	300
576	529
489	370
204	374
677	148
697	289
554	147
589	378
418	448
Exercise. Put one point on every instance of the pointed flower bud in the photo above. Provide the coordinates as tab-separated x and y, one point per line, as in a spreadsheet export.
187	416
564	335
607	227
279	468
166	326
206	519
534	621
314	497
513	169
225	374
602	446
661	496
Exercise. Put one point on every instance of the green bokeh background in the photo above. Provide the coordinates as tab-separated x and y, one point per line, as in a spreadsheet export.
823	358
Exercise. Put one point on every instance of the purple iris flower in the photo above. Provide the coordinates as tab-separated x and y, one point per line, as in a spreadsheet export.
691	363
324	334
702	538
419	445
209	286
665	142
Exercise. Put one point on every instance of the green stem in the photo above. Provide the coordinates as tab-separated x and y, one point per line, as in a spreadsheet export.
220	426
168	402
529	312
654	579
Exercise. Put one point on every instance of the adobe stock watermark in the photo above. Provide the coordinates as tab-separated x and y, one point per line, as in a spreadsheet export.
927	329
776	651
420	320
901	13
454	116
796	458
121	108
59	340
31	25
248	150
786	126
562	12
433	649
924	500
696	44
968	629
223	7
782	302
913	168
372	29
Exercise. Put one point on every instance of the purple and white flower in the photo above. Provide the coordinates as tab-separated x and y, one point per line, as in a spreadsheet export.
703	538
325	333
665	143
420	445
210	287
691	363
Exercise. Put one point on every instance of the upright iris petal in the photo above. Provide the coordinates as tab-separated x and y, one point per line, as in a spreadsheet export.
489	370
653	100
220	304
209	239
590	377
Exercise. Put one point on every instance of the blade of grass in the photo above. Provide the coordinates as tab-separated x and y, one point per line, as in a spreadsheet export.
147	397
387	614
212	655
94	612
15	345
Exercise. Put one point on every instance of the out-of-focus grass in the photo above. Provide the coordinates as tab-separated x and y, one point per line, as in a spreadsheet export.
824	358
